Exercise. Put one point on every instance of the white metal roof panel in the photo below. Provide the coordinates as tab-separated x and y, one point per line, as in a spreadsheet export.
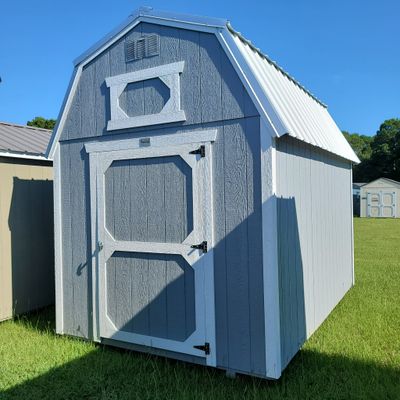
302	115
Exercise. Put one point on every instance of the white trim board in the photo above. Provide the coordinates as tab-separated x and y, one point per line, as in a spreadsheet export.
270	253
169	74
202	136
58	243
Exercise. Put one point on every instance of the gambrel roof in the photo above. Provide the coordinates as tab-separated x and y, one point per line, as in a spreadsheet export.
287	107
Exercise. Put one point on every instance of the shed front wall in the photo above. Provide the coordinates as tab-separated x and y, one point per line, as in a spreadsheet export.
26	237
377	187
315	239
212	97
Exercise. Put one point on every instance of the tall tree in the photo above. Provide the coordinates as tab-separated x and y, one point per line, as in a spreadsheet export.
379	154
385	157
41	122
361	145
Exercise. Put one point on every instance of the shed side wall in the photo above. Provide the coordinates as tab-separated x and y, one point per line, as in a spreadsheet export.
314	236
26	237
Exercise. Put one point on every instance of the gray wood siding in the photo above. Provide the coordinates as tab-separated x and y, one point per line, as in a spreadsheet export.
76	239
210	88
237	251
314	237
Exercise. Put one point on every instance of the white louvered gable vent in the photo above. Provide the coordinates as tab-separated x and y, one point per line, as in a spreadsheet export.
146	46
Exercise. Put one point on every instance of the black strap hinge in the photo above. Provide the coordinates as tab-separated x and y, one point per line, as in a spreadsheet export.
202	246
203	347
201	150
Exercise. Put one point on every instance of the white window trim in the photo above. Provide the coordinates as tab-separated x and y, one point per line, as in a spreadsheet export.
169	74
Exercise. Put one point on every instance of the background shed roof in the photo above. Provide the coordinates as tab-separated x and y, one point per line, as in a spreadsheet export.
21	139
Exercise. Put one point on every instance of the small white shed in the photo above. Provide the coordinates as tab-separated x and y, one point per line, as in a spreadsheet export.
379	198
203	198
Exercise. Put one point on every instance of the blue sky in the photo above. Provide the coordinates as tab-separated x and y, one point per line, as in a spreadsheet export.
345	52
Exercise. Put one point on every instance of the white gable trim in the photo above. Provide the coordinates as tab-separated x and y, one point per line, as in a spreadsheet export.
249	81
69	95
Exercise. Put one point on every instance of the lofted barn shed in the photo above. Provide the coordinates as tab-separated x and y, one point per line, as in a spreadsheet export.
203	198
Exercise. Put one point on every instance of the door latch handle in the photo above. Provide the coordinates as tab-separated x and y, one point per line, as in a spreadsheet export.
100	245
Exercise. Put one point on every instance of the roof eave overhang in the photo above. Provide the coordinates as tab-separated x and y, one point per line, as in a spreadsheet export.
26	156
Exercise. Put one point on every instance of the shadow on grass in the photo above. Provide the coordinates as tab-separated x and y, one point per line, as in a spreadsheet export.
42	320
108	373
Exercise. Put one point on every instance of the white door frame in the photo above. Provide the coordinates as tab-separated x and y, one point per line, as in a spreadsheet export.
101	155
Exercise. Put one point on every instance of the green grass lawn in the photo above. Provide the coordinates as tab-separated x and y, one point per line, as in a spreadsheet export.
354	355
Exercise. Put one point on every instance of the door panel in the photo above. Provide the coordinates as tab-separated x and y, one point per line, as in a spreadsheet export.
151	294
153	287
149	199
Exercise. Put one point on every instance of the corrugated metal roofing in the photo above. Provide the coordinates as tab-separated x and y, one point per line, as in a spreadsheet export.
21	139
302	115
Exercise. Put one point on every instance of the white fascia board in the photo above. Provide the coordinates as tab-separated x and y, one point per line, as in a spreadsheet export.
250	82
24	156
69	95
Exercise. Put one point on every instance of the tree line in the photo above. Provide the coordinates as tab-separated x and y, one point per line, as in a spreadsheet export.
379	154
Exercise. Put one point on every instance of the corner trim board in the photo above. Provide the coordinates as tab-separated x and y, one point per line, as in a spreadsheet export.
58	242
270	252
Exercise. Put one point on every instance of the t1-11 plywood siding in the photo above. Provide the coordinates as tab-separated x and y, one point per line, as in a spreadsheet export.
26	236
315	238
237	252
210	87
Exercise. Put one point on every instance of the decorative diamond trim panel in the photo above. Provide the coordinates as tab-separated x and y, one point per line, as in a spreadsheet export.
171	112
